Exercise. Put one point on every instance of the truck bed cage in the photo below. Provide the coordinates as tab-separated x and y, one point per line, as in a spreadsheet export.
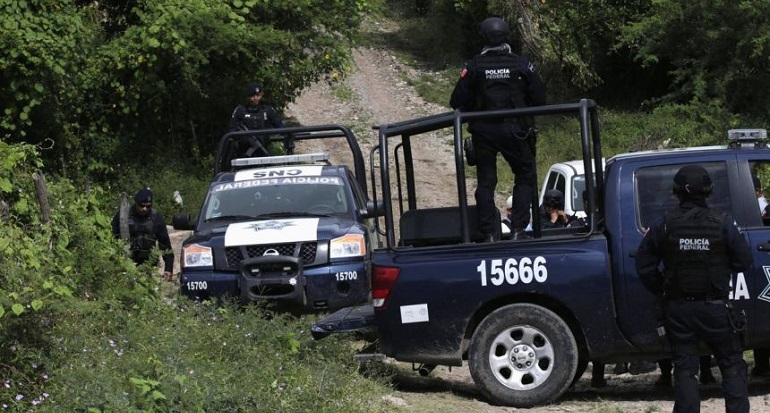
585	110
226	149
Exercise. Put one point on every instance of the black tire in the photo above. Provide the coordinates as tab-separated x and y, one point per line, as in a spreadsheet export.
522	355
581	369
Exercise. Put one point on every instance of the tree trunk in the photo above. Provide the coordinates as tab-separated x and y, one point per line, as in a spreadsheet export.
123	220
42	197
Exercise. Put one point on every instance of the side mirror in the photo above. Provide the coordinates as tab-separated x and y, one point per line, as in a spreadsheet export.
373	209
182	222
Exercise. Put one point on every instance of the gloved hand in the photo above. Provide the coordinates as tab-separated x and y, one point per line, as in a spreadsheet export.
168	276
470	152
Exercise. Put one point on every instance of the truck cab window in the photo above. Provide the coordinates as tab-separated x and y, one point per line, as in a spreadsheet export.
654	195
760	175
556	180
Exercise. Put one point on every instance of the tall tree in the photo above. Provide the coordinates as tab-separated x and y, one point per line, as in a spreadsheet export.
719	50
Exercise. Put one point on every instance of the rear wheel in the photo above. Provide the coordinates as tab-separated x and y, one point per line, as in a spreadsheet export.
523	355
581	369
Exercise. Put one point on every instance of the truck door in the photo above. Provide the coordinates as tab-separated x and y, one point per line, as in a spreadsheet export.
754	289
651	194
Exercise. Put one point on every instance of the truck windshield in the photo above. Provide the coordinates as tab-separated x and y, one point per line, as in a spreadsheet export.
578	186
260	198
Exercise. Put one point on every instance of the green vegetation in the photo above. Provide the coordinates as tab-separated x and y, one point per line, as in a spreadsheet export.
96	83
82	328
109	96
650	97
199	357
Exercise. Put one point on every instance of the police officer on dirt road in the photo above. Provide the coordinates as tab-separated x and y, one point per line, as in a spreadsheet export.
699	248
493	80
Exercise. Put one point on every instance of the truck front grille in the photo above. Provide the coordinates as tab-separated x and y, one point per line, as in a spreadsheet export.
305	251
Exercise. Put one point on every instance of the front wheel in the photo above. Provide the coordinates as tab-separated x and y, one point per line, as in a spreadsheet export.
522	355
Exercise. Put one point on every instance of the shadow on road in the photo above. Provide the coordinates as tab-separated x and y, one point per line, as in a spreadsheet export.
620	388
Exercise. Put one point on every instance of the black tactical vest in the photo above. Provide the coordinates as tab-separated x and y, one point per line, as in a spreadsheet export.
255	117
141	232
695	254
498	82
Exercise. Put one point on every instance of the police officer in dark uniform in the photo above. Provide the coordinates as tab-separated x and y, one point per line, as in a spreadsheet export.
253	116
493	80
553	215
146	226
578	221
699	247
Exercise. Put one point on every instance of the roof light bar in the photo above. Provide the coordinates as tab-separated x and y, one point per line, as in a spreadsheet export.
281	160
750	135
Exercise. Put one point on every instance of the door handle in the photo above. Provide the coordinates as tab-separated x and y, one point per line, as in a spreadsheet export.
764	247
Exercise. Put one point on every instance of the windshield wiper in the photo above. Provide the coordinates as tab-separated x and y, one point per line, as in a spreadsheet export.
290	214
230	218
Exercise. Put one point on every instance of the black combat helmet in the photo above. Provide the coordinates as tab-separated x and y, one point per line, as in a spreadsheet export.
252	89
553	198
494	31
693	181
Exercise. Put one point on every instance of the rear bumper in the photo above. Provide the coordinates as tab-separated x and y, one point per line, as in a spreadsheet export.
359	319
284	280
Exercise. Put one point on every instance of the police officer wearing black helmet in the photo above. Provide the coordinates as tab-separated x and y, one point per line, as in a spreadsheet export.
493	80
254	115
553	214
146	227
699	248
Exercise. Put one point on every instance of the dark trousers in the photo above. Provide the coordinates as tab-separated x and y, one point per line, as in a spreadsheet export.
489	139
666	366
689	322
762	360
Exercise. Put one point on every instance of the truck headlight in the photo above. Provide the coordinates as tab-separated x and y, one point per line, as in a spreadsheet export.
350	245
197	255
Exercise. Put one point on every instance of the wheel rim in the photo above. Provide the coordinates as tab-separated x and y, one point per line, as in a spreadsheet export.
521	357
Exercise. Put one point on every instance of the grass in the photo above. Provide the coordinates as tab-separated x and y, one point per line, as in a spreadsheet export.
199	357
342	92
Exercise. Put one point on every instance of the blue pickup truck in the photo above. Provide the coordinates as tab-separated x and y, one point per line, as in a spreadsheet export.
292	230
528	315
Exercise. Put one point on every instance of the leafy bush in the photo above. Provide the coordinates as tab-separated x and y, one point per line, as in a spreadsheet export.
164	178
67	254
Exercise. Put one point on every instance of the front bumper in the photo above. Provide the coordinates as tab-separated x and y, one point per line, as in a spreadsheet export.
284	280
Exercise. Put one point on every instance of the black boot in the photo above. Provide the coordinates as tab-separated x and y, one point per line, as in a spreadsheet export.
664	380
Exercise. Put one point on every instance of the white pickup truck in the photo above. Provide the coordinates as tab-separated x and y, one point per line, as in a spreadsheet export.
569	178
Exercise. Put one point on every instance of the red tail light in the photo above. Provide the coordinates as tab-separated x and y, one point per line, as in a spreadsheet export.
383	280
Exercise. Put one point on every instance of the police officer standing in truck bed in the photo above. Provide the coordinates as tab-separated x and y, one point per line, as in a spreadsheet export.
493	80
254	115
699	247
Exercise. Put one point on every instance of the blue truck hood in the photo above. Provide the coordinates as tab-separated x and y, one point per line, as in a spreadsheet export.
273	231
